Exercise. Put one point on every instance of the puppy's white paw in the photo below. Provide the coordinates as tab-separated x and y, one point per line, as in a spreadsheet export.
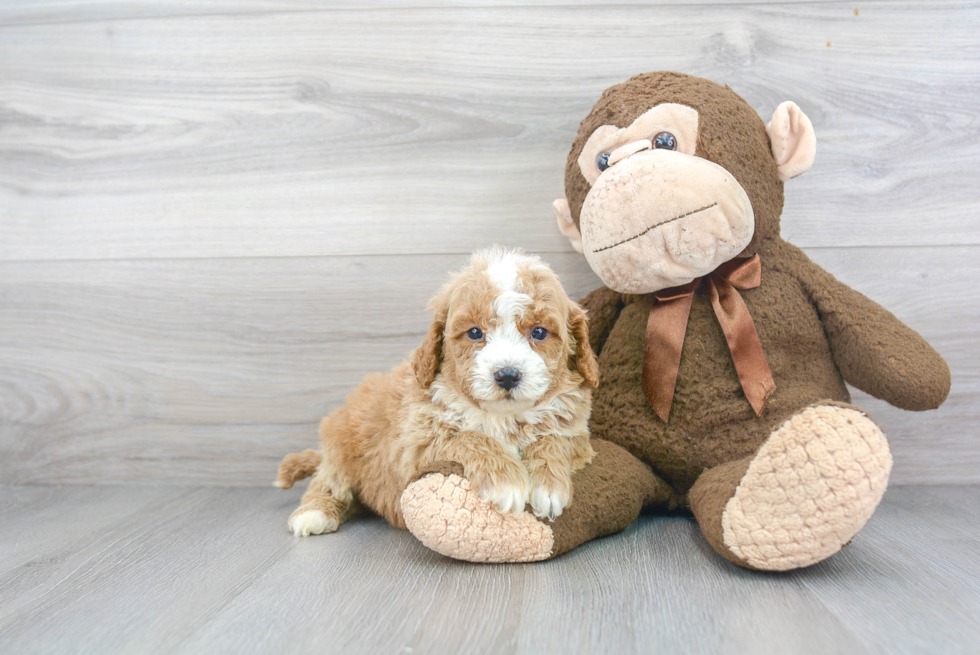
312	521
547	502
509	499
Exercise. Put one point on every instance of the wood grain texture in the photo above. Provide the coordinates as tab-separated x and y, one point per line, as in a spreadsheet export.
443	129
40	521
214	570
216	218
204	371
29	12
911	522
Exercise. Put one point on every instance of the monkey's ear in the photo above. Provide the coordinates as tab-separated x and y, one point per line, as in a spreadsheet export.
794	143
566	224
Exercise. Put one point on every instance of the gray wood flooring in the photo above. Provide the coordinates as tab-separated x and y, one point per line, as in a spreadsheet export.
121	569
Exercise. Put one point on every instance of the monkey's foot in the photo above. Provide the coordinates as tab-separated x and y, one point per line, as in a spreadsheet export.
811	487
445	514
442	510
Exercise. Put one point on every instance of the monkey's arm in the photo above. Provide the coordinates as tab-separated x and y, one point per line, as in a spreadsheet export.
873	350
602	307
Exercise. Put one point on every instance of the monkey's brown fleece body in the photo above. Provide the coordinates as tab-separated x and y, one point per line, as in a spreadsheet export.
776	491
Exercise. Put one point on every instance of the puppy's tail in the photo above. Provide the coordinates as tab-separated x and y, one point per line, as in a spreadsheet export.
296	466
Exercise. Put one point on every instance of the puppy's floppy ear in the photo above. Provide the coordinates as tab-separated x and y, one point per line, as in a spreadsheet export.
428	356
583	359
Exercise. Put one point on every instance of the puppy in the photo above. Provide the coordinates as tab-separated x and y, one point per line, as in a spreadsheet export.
502	384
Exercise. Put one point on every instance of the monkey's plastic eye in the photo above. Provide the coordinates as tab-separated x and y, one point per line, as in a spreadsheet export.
602	161
475	334
539	334
665	140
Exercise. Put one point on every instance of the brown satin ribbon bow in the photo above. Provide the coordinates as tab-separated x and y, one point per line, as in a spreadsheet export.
668	324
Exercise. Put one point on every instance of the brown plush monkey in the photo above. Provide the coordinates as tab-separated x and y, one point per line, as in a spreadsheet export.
723	349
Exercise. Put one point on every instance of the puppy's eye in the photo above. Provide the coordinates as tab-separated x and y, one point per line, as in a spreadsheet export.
602	161
665	140
539	334
475	334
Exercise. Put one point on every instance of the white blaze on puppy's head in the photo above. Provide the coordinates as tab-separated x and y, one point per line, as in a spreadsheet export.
505	335
507	368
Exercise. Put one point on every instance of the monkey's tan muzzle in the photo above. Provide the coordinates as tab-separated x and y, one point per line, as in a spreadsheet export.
659	218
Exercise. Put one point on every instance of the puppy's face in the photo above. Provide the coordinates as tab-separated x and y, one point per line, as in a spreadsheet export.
506	335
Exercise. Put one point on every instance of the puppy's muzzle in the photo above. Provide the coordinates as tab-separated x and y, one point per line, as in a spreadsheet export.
507	378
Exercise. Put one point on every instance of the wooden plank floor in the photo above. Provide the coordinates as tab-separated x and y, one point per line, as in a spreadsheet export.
122	569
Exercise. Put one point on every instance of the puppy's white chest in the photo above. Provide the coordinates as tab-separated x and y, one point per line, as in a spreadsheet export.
507	430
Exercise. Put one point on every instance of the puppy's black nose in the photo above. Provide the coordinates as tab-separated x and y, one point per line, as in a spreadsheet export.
507	378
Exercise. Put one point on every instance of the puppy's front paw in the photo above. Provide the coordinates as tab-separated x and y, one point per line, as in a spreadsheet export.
549	501
508	488
303	523
508	499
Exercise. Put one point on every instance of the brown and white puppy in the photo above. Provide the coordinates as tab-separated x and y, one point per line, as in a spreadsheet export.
502	385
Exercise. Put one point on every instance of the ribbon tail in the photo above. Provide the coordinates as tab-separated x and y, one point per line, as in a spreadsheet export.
666	327
749	358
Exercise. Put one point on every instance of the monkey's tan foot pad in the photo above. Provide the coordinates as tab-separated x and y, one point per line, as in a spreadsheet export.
446	515
814	483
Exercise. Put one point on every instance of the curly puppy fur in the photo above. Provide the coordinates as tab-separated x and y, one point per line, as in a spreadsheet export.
518	440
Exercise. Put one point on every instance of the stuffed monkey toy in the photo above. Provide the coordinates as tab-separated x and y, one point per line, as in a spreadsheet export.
723	350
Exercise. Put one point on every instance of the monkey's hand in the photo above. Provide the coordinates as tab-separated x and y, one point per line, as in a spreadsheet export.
873	350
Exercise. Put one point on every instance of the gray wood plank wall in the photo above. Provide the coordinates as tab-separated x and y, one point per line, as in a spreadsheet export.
215	218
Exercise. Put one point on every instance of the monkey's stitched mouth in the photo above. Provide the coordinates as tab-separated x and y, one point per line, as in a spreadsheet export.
656	225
